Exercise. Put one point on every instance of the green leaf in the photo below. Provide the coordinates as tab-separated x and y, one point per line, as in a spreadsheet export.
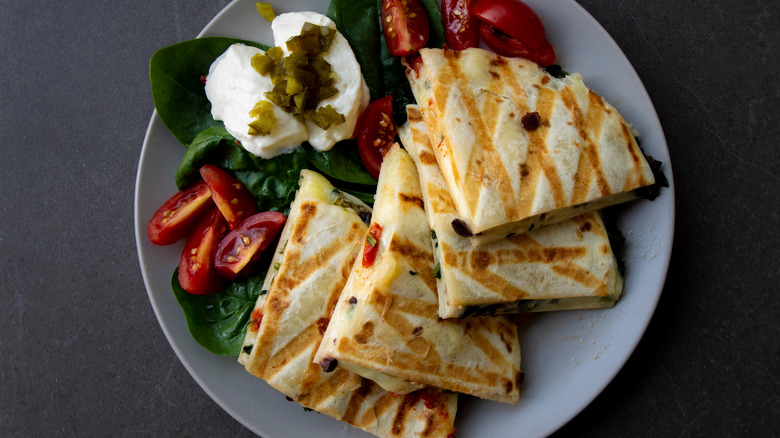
357	21
368	198
342	162
178	93
272	183
213	146
218	322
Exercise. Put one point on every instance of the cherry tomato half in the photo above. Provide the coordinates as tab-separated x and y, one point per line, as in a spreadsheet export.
405	26
232	198
197	274
375	132
460	27
179	215
512	17
505	45
241	248
371	244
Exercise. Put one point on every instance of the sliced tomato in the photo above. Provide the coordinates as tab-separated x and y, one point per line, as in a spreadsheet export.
232	198
460	27
505	45
197	274
371	244
241	248
375	133
512	17
405	26
179	215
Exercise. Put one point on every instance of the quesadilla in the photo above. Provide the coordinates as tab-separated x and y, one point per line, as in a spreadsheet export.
566	265
386	324
519	148
315	253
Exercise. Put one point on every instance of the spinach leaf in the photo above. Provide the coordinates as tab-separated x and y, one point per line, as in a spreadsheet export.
342	162
272	183
358	21
218	322
212	146
368	198
179	96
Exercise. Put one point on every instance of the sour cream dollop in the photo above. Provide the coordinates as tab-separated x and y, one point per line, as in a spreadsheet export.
233	87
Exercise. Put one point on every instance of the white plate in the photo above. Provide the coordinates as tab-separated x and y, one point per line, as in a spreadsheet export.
568	357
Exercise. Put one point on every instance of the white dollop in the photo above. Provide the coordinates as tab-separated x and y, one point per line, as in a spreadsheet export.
353	95
233	87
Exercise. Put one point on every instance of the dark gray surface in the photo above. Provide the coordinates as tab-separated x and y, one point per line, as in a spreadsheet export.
81	352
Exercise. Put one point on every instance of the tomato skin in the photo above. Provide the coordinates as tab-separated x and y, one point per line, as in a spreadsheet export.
197	274
179	215
369	247
512	17
232	198
405	26
242	247
460	27
375	133
505	45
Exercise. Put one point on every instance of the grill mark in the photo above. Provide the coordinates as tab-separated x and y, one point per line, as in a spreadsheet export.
314	392
404	247
484	344
504	186
356	401
427	158
440	199
455	377
494	282
266	366
292	272
411	199
581	276
637	176
481	150
365	333
381	405
413	114
589	162
537	162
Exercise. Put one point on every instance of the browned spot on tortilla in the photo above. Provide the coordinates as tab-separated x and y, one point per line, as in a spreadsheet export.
411	199
365	333
427	158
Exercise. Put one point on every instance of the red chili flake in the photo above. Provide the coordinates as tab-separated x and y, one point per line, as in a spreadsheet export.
432	400
322	324
371	243
255	319
203	79
531	121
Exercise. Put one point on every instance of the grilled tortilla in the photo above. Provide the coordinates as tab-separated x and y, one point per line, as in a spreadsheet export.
386	322
316	251
566	265
519	148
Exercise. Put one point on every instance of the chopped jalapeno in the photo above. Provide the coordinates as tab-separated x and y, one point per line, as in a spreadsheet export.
303	78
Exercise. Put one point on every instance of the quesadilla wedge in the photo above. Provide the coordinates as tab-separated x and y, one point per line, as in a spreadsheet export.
317	249
566	265
518	148
386	321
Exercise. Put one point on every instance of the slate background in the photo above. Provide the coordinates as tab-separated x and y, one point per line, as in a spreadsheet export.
81	353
